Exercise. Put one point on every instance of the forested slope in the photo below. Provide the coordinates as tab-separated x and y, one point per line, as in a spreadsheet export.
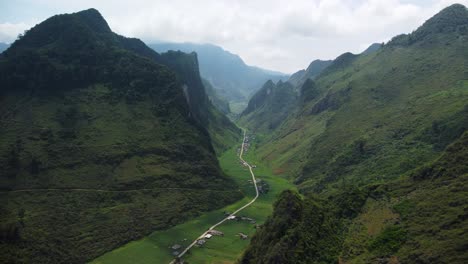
103	141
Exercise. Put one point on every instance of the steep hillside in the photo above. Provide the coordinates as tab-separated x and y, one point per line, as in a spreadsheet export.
373	48
273	103
103	141
270	106
420	218
298	231
222	131
314	69
380	140
225	71
217	100
372	117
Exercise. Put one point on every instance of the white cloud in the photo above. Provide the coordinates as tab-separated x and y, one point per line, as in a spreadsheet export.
10	31
273	34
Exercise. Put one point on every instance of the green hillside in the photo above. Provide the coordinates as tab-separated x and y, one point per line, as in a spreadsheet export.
420	218
103	141
270	105
371	117
315	68
390	125
217	100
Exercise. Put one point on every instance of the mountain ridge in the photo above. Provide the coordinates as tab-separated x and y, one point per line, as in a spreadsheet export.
376	135
85	108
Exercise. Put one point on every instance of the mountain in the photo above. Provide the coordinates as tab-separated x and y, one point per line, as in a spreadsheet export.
314	69
384	135
219	102
103	141
3	46
411	220
271	105
372	48
226	72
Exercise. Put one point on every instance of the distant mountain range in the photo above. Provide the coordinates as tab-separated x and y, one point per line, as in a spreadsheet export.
3	46
227	72
273	102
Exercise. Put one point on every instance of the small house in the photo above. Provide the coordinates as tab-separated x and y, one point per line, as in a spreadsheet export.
243	236
216	233
176	247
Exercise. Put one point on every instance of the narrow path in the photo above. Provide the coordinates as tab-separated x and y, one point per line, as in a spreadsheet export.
107	191
234	213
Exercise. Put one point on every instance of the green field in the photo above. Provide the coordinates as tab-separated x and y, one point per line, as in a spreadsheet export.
156	247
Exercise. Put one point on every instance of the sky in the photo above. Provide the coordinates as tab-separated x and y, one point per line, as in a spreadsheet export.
277	35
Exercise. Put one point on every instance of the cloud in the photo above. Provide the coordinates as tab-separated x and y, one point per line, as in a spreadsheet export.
10	31
271	34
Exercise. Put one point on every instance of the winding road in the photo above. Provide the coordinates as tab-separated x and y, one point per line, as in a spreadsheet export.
234	213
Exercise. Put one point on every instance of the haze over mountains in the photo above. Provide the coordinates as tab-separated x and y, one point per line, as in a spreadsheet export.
3	46
226	72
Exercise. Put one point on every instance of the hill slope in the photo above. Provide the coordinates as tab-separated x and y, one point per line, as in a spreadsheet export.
103	141
412	220
392	109
273	103
390	126
314	69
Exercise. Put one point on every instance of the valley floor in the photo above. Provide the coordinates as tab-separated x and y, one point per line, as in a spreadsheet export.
225	249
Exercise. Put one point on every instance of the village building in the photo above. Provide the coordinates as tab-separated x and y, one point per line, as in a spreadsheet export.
216	233
243	218
243	236
176	246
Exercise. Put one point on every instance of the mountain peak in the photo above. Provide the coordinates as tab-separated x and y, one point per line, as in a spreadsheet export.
73	30
453	15
93	19
451	20
372	48
446	21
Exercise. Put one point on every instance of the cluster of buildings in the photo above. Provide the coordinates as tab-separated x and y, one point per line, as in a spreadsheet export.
176	249
239	218
209	234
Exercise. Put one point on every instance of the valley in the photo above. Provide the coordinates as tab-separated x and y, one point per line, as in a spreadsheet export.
227	248
113	150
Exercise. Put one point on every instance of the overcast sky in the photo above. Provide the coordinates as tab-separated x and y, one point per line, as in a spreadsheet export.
278	35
